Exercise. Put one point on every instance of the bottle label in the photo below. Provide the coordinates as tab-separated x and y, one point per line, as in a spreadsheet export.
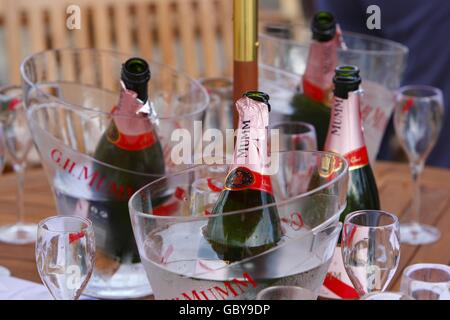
337	284
130	142
318	76
250	155
345	132
172	206
131	130
243	178
357	158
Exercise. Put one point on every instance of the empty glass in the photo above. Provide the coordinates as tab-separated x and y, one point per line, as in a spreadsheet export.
18	143
220	113
286	293
65	253
386	296
426	281
418	117
370	249
296	135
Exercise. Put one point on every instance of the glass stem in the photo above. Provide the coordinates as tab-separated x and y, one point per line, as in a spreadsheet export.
20	173
416	171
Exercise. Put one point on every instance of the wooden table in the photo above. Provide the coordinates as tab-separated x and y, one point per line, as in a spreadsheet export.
393	180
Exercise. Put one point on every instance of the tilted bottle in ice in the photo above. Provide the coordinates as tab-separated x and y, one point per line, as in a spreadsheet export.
235	237
129	143
313	105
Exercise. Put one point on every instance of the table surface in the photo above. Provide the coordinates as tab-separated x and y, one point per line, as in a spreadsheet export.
393	181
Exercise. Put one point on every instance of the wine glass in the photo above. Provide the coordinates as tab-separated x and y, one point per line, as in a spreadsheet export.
286	293
296	135
18	143
426	281
370	249
418	117
65	254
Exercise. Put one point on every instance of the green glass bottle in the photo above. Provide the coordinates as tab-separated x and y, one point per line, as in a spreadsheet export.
238	236
345	136
129	143
313	105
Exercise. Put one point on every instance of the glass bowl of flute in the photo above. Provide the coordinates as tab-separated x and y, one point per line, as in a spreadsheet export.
102	123
236	225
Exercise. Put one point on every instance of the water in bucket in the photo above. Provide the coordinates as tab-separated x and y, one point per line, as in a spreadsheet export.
182	264
69	95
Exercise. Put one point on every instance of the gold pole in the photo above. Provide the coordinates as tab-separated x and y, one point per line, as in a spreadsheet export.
245	50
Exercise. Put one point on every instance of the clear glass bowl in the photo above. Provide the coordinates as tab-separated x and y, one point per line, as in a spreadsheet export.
310	193
69	94
381	63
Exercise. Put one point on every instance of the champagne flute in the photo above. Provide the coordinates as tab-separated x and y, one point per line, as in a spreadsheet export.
65	255
18	143
418	121
370	249
296	135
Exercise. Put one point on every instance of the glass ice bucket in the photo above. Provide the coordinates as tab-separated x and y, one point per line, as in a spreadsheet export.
381	63
310	193
69	94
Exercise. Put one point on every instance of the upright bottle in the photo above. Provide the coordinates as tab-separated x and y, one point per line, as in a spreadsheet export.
314	104
345	136
130	143
237	236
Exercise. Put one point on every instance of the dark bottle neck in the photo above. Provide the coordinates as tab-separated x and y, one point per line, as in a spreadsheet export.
135	76
323	27
258	96
344	84
343	91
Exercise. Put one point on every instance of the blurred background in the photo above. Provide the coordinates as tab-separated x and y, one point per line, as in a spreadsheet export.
196	36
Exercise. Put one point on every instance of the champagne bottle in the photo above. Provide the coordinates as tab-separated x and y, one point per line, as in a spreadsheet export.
238	236
313	105
129	143
345	136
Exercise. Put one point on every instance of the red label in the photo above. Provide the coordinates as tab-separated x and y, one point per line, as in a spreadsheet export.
339	288
171	206
167	209
357	158
75	236
133	143
13	104
212	186
243	178
313	92
180	193
130	142
409	103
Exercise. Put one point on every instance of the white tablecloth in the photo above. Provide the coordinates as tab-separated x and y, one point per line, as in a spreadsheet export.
12	288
